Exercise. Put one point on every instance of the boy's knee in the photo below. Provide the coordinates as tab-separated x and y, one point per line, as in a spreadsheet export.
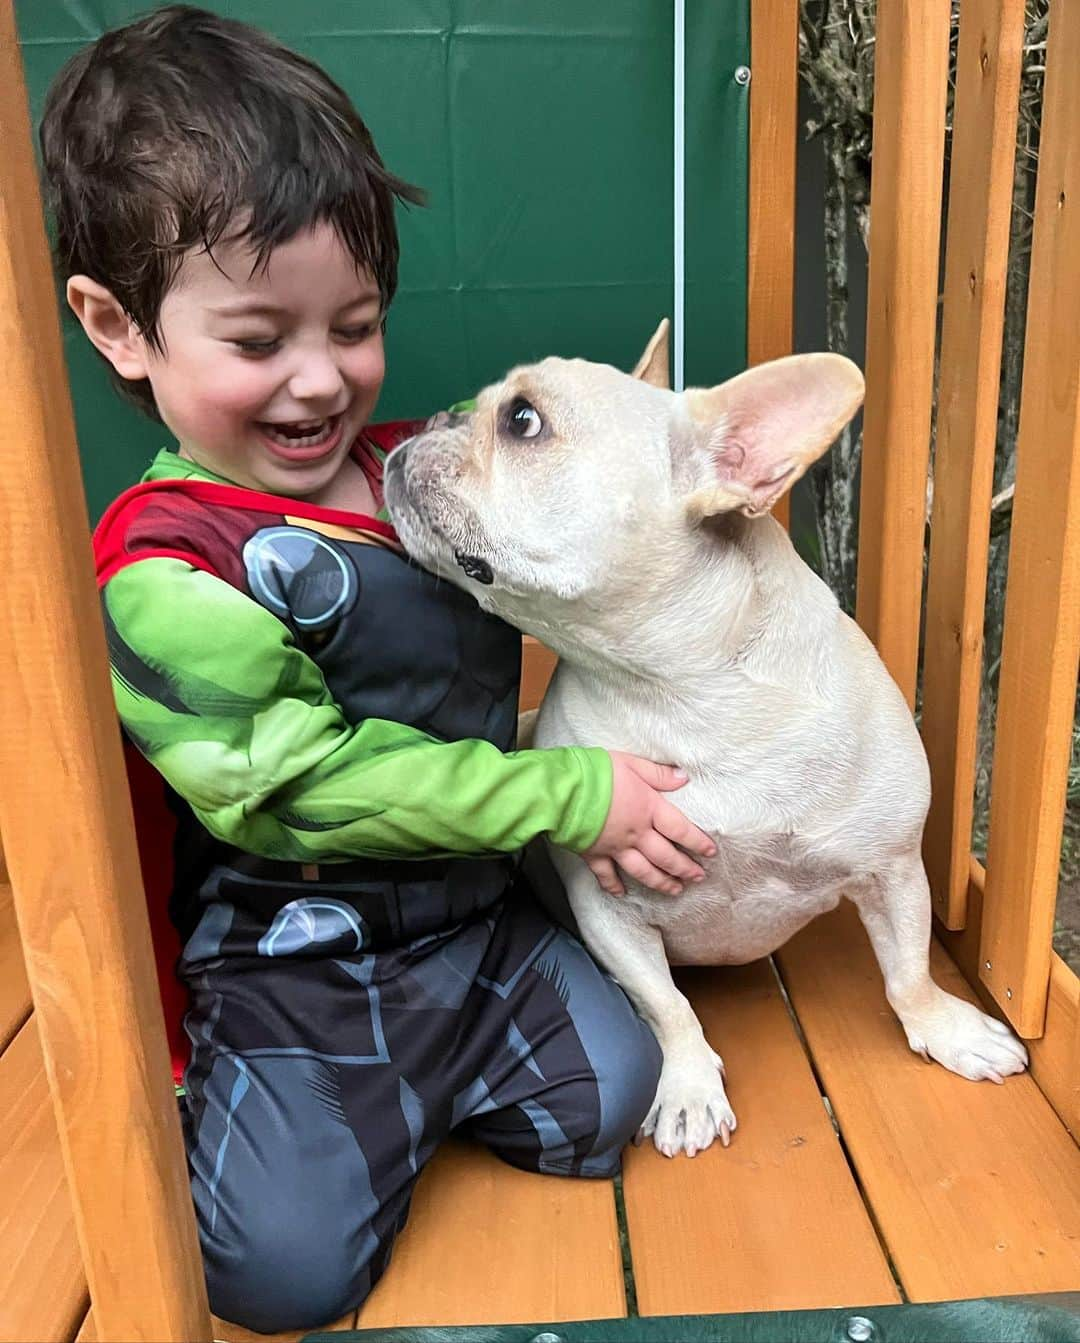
275	1279
627	1092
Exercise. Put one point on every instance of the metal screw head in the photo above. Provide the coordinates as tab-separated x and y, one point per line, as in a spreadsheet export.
988	966
742	74
1008	993
546	1338
860	1329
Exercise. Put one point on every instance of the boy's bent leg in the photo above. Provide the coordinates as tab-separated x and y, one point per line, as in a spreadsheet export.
575	1070
293	1232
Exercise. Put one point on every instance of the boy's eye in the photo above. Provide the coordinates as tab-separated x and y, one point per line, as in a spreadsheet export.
355	334
256	346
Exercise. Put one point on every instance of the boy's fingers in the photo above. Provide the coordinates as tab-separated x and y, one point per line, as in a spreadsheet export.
634	863
673	825
664	855
606	874
664	778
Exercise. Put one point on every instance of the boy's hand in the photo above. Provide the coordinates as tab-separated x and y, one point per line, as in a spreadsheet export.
643	828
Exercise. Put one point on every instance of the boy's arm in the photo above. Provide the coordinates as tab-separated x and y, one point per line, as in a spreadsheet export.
213	690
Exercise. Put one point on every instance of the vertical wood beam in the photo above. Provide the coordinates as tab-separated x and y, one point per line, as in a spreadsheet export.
66	817
910	73
976	261
1041	646
774	93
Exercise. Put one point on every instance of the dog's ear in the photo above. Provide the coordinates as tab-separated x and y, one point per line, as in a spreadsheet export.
764	428
653	365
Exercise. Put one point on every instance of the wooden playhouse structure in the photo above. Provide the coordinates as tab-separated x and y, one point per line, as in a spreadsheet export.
859	1177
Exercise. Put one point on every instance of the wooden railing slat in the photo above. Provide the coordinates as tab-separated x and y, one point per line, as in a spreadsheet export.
1042	605
910	73
42	1288
774	97
980	207
14	988
65	815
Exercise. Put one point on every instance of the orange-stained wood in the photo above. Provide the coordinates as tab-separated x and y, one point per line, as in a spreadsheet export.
975	1187
984	146
537	666
774	57
42	1287
910	72
775	1222
225	1332
65	816
1036	698
489	1244
14	989
1054	1065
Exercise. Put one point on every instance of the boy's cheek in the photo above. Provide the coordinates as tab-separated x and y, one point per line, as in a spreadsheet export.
234	386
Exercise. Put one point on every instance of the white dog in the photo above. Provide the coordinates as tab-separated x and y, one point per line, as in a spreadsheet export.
626	527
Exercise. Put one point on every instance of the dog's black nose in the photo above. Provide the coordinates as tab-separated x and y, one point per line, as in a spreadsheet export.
476	569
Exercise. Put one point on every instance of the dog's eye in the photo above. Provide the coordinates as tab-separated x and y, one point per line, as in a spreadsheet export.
522	419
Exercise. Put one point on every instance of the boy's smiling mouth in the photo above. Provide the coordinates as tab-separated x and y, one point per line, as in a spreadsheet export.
302	440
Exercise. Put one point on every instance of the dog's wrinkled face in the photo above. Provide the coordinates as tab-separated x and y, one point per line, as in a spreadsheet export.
533	489
567	472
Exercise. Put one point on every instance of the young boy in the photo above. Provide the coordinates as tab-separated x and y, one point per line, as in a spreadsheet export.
365	966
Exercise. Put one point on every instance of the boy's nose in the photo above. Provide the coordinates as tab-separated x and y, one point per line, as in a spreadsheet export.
317	379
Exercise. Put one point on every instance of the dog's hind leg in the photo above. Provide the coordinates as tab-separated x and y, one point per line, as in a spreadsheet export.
690	1108
894	906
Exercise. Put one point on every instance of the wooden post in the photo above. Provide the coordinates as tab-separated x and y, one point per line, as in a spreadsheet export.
66	818
774	92
1042	603
910	72
976	261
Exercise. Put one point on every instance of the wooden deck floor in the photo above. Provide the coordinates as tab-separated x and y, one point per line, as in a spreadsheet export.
905	1183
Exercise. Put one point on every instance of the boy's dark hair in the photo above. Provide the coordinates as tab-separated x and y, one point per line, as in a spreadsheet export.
185	128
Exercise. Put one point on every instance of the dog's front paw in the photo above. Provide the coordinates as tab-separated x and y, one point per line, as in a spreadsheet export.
968	1042
691	1107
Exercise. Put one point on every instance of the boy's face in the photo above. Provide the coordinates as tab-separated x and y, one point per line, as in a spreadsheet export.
267	378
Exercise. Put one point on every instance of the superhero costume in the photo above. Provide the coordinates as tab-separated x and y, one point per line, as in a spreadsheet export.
365	966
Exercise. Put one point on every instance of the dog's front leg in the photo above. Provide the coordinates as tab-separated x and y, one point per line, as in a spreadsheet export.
690	1108
895	909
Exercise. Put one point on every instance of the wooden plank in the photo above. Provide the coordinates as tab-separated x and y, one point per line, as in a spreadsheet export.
1036	699
14	988
775	1221
225	1332
537	666
489	1244
975	1187
774	96
42	1287
1055	1065
1071	1107
910	71
79	899
984	148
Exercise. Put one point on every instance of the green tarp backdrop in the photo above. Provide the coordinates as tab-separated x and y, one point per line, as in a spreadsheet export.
544	135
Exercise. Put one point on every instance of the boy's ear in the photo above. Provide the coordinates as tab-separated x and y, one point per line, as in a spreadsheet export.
761	430
108	326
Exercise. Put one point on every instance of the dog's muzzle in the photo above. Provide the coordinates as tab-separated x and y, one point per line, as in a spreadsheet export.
477	569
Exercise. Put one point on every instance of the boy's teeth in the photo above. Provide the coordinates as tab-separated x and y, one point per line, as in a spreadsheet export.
305	435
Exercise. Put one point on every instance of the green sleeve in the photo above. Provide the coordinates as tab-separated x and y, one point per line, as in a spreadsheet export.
213	690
